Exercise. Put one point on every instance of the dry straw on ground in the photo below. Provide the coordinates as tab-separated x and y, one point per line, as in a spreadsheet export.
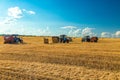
35	60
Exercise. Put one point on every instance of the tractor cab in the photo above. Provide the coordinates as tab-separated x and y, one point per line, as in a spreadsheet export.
64	39
86	39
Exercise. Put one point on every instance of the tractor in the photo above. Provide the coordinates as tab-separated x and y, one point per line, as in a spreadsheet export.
89	39
12	39
86	39
63	39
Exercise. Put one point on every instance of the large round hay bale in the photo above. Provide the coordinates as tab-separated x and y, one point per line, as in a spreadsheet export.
46	41
55	39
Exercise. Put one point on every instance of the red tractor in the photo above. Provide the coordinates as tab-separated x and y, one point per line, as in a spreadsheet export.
12	39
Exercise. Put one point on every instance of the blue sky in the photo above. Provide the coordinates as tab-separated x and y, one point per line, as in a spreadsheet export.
55	17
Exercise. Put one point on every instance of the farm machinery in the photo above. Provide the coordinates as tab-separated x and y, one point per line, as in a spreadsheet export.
89	39
61	39
12	39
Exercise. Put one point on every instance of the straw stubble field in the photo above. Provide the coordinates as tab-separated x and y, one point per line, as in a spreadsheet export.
34	60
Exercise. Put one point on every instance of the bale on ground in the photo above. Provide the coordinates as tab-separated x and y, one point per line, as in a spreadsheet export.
55	39
46	41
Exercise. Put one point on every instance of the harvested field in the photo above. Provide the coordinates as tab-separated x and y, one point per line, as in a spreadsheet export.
35	60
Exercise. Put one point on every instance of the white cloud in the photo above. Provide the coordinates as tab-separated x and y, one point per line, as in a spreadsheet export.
88	31
9	24
106	34
29	12
109	35
117	34
72	30
113	35
15	12
8	20
77	32
68	27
